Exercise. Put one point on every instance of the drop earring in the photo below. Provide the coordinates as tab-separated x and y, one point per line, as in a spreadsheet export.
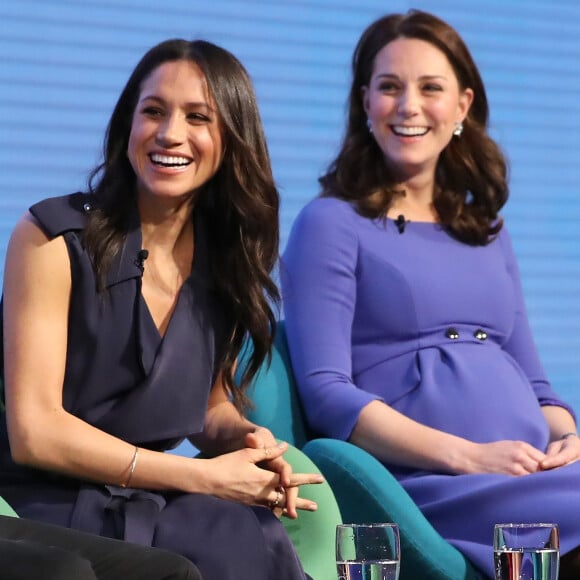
458	129
369	126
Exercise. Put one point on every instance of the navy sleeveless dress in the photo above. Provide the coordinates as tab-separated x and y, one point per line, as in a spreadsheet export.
123	377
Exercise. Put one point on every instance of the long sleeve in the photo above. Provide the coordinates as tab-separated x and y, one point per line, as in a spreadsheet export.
318	274
520	344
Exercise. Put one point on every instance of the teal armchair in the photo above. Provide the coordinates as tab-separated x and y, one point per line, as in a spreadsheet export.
365	490
6	509
313	533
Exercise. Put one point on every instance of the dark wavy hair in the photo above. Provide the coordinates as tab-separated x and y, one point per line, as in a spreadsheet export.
471	175
240	203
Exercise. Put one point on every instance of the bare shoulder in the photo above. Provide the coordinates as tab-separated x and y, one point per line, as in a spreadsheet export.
33	257
28	231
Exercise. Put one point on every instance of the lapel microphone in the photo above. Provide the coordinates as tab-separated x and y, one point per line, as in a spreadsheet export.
142	255
401	222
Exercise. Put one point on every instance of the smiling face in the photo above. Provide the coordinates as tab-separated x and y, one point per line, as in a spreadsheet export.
175	145
413	102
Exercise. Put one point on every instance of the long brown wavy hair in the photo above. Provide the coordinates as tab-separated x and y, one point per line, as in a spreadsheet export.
240	203
471	176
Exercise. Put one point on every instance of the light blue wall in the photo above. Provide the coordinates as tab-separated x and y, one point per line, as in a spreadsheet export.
63	63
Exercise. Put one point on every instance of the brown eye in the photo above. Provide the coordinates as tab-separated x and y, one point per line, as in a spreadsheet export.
387	87
198	118
432	87
152	111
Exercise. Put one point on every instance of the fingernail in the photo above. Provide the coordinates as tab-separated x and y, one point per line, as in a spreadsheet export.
281	444
313	506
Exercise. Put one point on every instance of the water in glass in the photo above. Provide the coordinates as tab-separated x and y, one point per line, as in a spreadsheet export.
368	570
526	564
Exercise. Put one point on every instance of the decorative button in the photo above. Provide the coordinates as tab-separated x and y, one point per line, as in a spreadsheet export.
87	207
480	334
452	333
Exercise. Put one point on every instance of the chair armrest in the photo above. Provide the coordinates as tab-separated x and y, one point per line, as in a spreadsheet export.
367	492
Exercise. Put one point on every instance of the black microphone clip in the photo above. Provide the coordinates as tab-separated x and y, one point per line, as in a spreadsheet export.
401	222
142	255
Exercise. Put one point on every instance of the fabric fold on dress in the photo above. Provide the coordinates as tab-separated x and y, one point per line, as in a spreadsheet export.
130	514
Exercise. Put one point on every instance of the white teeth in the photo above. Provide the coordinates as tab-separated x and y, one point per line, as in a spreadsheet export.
170	160
409	131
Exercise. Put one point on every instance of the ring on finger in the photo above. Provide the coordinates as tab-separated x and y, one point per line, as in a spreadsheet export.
279	494
276	502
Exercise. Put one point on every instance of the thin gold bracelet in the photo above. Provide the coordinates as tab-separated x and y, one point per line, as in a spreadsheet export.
131	469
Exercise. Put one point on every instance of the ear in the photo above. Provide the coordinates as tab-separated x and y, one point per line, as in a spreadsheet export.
364	93
465	100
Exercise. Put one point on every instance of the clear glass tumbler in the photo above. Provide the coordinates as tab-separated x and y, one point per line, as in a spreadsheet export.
526	551
368	551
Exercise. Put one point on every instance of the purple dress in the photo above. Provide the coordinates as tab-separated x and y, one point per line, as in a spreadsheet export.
152	391
437	329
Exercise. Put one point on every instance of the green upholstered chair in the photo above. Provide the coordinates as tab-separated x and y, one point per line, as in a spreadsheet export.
366	491
313	533
5	509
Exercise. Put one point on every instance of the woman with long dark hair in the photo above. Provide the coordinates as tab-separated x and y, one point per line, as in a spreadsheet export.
125	311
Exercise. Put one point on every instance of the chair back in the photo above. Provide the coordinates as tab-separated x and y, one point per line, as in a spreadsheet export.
275	399
277	407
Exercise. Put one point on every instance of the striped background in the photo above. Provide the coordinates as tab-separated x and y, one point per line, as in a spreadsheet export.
63	63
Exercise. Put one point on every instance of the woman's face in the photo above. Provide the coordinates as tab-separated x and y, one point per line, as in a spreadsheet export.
175	144
413	101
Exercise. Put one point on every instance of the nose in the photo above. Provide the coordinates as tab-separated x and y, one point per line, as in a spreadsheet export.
408	103
171	131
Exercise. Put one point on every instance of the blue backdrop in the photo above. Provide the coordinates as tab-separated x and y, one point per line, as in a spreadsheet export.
63	63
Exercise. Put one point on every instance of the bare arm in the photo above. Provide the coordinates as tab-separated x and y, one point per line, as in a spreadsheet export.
37	287
43	434
225	427
559	421
394	438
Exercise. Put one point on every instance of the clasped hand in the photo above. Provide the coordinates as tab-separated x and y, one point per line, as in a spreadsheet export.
562	452
521	458
259	475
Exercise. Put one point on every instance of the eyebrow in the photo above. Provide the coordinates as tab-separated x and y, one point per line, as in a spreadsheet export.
192	105
421	78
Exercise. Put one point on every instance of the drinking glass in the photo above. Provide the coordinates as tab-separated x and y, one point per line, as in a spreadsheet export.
526	551
368	551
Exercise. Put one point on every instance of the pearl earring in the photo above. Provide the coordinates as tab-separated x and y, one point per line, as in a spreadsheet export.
369	126
458	129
